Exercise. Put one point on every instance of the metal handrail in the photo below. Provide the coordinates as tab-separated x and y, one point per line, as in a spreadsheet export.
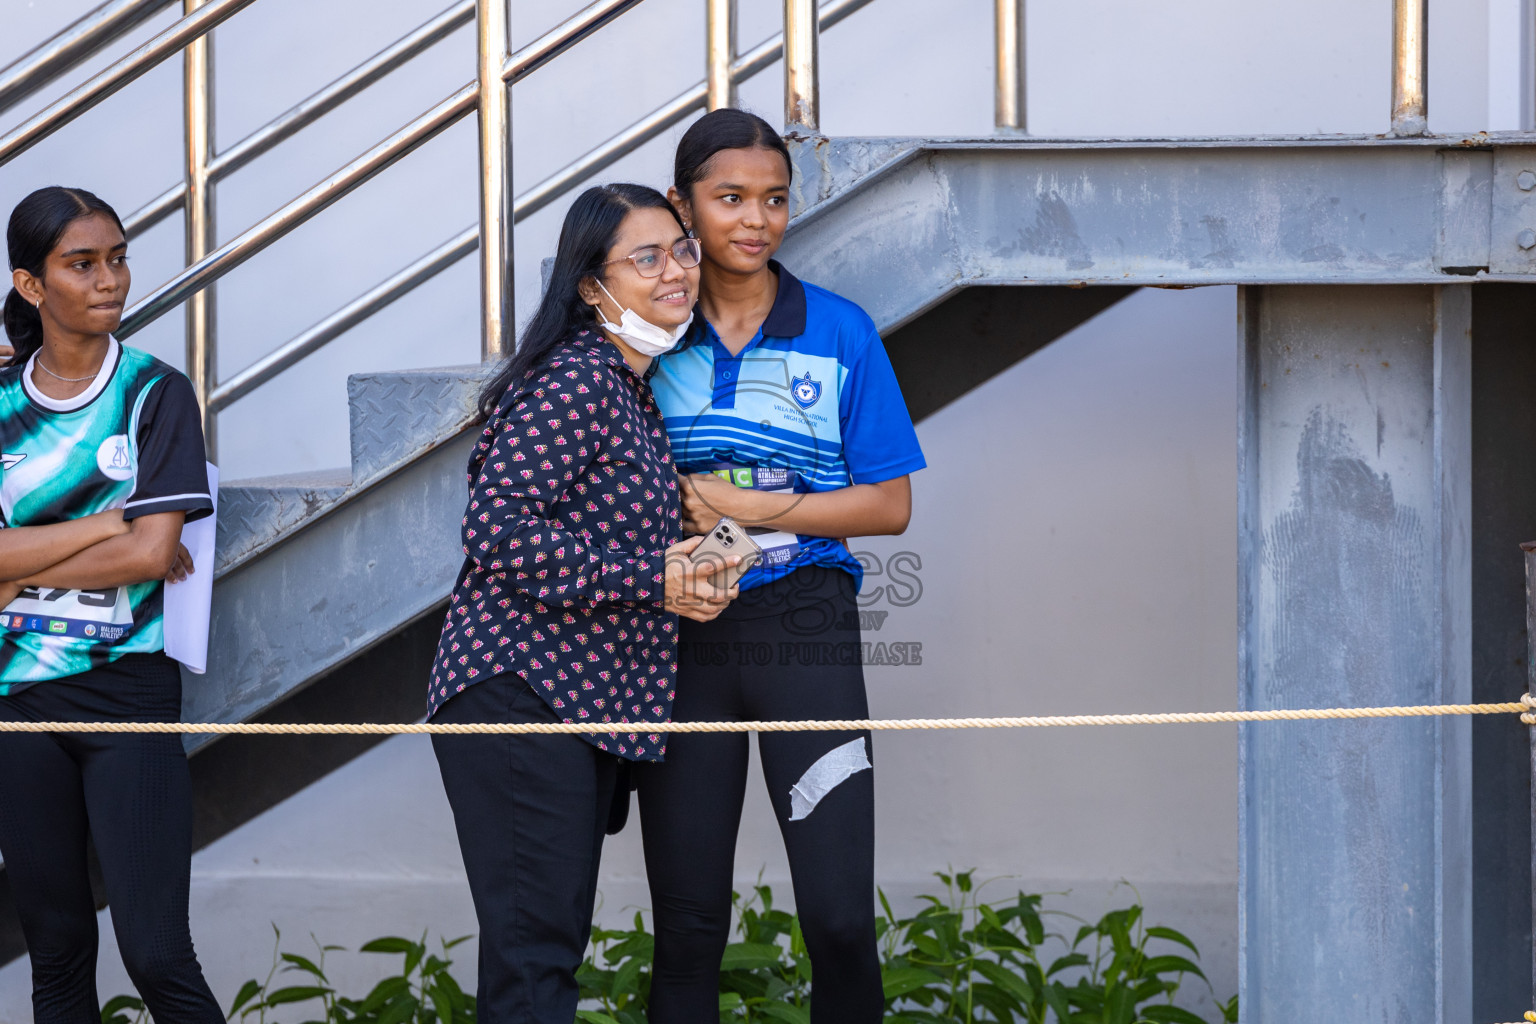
1008	65
1410	67
345	318
530	202
664	117
724	71
719	53
126	70
495	126
309	110
802	88
353	174
268	230
562	37
463	244
76	43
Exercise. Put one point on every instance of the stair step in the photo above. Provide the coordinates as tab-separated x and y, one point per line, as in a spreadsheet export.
254	513
830	169
400	415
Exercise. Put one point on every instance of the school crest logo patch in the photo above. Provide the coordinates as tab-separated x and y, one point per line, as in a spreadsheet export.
805	391
113	458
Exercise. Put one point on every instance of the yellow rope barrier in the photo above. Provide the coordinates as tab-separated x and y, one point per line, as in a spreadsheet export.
1525	707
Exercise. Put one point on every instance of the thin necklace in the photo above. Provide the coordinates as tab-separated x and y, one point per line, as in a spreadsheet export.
67	380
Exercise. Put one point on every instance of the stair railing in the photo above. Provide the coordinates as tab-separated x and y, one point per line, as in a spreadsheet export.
76	43
492	236
194	195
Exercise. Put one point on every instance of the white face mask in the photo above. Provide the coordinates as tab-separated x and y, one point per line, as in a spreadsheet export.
640	334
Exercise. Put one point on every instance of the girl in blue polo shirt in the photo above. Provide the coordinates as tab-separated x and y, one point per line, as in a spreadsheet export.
784	414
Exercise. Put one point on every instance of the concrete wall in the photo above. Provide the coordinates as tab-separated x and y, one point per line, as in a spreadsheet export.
1108	457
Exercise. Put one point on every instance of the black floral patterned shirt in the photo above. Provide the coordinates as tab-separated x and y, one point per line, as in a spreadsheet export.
573	503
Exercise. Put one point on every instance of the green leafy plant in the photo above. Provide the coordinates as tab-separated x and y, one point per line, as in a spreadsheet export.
958	960
961	960
424	992
118	1009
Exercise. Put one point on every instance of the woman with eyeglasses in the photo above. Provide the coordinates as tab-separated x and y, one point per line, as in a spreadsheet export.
566	607
784	415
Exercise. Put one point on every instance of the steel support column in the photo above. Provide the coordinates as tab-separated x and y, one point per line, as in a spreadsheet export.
1355	589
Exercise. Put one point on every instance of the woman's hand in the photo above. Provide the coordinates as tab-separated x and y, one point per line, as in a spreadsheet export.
691	591
181	568
706	498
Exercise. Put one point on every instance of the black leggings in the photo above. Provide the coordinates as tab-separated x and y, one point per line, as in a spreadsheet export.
133	794
788	651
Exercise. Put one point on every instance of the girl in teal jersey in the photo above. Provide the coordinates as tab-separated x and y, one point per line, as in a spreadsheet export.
102	464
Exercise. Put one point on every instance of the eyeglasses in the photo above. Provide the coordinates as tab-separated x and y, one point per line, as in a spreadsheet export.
652	260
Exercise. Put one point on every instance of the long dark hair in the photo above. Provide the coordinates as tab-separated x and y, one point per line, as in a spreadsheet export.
591	227
37	224
726	128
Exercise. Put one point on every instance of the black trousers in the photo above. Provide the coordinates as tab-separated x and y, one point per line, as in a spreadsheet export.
788	650
530	812
133	795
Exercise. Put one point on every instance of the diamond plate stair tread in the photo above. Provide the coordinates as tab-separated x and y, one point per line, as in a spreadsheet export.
396	418
399	415
256	512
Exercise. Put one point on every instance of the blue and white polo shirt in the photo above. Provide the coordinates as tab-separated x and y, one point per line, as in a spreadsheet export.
810	404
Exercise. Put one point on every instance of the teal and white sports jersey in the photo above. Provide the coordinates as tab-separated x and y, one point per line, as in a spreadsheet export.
133	441
810	404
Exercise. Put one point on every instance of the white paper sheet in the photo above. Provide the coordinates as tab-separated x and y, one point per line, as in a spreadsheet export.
188	603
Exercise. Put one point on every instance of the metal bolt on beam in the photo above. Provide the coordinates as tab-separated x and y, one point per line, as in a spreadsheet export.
1526	239
1526	180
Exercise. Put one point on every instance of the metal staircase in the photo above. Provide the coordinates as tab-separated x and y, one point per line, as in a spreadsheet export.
327	584
402	491
1001	210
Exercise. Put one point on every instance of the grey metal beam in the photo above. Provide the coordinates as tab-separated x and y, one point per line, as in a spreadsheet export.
1355	589
336	587
899	225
